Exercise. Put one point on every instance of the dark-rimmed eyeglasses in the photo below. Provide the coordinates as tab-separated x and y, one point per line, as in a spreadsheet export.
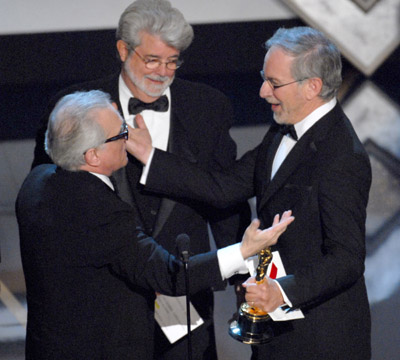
124	134
154	63
274	87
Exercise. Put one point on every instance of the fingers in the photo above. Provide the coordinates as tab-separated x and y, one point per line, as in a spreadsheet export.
131	131
285	220
252	228
254	293
286	215
254	225
254	239
249	282
139	122
276	220
280	225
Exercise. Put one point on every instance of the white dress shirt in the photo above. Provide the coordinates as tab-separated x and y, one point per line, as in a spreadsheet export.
157	122
287	142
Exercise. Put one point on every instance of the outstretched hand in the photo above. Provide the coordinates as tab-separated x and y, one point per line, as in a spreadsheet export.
139	143
254	240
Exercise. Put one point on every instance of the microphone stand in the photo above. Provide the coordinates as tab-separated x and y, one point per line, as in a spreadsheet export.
185	259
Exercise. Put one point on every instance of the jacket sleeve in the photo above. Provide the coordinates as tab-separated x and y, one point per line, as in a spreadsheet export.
116	242
173	175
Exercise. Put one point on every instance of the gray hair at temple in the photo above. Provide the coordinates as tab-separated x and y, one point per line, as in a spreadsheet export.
156	17
314	56
72	128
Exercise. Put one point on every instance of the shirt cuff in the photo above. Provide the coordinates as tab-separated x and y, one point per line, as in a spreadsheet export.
285	298
231	261
251	264
146	168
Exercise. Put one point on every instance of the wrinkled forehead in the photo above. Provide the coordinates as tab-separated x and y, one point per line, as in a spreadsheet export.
277	63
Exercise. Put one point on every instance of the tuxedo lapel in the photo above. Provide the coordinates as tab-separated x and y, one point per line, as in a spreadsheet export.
128	180
271	151
300	153
305	148
178	142
166	207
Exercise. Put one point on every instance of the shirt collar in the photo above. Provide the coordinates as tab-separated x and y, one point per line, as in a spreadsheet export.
105	179
303	125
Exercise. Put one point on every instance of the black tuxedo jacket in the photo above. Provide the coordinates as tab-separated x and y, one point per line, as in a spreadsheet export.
90	273
200	120
325	180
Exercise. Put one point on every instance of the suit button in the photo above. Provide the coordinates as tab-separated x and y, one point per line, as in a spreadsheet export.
153	212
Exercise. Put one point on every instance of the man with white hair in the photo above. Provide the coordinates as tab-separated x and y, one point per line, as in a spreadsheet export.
91	272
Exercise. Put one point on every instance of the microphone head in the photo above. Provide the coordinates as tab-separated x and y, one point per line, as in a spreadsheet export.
183	243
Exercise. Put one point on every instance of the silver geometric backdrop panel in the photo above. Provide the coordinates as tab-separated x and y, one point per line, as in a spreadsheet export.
365	31
376	119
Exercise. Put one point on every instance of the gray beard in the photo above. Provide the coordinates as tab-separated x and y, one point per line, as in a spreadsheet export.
141	85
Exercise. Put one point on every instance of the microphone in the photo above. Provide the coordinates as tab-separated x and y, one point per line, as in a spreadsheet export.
183	245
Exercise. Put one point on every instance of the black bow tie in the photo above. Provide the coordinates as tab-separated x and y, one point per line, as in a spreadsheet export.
288	129
136	106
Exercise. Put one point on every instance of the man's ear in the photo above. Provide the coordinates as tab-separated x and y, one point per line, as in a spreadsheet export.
123	50
91	157
313	88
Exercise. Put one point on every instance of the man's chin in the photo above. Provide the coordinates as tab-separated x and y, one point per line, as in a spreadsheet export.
157	91
277	119
123	164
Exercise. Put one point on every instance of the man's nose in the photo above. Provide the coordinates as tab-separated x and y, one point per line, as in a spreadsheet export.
162	70
265	90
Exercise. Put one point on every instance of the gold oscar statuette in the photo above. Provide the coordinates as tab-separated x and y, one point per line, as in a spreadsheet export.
252	326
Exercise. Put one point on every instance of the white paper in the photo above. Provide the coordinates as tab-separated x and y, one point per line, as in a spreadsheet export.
170	313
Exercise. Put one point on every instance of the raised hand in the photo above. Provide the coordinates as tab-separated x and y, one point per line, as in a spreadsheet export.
254	239
139	143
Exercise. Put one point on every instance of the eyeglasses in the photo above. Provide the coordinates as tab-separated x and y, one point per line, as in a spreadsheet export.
154	63
274	87
124	134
